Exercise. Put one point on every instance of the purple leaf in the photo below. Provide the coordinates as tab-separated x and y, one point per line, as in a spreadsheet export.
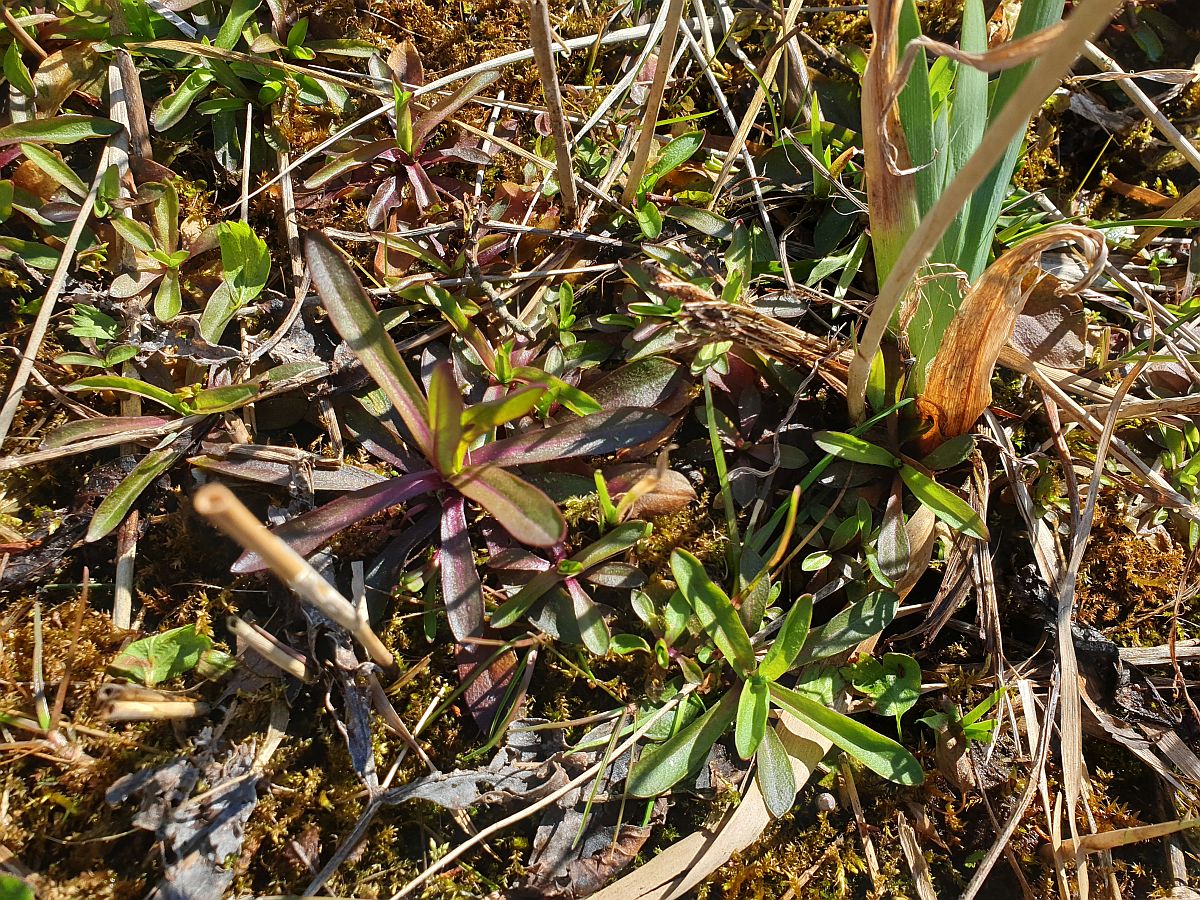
356	321
348	162
424	191
307	532
599	434
461	154
647	383
265	471
461	590
387	196
489	685
448	106
524	511
85	429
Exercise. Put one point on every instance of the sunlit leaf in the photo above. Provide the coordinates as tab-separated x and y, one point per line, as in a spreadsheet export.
445	418
775	777
161	657
894	682
86	429
129	386
596	435
522	510
854	449
751	722
786	647
878	753
944	503
116	505
52	164
853	625
661	767
715	611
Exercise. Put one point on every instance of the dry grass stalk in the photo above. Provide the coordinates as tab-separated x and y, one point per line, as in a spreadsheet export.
219	505
645	144
958	386
540	37
269	648
153	710
1050	69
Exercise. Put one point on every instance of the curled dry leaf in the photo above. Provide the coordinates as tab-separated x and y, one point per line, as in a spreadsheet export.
669	494
958	388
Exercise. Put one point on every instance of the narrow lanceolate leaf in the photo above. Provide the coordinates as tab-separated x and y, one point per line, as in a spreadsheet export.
715	611
113	509
445	418
610	544
461	590
129	386
853	625
66	129
530	592
774	774
599	434
310	531
134	232
86	429
348	162
945	504
171	109
52	164
751	724
521	509
854	449
448	106
892	551
660	768
789	642
356	321
878	753
491	414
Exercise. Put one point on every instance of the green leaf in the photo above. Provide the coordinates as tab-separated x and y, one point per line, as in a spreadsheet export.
782	654
854	449
240	13
702	220
944	503
491	414
521	509
625	644
674	155
172	108
445	419
751	724
614	542
118	355
13	888
116	505
878	753
893	683
246	262
129	386
53	165
892	550
80	359
950	453
16	73
660	768
649	219
853	625
161	657
137	234
32	253
221	399
354	317
775	777
65	129
715	611
168	299
164	220
815	562
739	259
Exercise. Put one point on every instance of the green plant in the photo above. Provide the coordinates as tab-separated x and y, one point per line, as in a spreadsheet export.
756	688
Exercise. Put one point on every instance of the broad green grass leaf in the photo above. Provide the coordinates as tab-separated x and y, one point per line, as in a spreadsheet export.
878	753
65	129
775	777
702	220
521	509
52	164
161	657
786	647
751	723
944	503
715	611
129	386
853	625
660	768
854	449
240	13
608	545
116	505
354	317
32	253
221	399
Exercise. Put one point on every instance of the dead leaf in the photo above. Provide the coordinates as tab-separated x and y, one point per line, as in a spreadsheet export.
64	72
1052	328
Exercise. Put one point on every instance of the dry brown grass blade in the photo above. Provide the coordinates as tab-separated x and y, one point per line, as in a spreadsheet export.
915	859
662	71
1050	69
958	387
540	37
891	190
1123	837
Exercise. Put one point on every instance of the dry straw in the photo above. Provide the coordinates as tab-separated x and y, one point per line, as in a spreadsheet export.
218	504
